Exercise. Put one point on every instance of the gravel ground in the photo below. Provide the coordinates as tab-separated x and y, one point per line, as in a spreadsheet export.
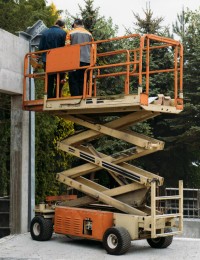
60	247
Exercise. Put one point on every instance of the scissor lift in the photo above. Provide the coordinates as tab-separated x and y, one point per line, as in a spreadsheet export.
117	215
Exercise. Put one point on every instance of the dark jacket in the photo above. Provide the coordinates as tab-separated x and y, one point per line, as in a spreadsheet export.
53	37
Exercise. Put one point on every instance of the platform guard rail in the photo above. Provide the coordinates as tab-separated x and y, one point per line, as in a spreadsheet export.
134	64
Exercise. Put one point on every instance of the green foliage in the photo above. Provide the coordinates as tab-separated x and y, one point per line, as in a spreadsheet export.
159	58
149	24
180	132
99	26
4	144
89	15
179	27
158	127
179	160
18	15
187	125
49	159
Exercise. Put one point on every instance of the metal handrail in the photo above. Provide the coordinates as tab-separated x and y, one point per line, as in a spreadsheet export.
155	216
130	67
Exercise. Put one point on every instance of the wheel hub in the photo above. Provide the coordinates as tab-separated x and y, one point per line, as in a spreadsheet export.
36	229
112	241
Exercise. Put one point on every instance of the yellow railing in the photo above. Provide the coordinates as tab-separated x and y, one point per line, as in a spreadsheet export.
155	217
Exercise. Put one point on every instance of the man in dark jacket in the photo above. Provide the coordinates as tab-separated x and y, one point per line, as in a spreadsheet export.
76	36
53	37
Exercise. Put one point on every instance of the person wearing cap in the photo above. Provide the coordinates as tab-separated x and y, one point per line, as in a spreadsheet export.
78	35
54	37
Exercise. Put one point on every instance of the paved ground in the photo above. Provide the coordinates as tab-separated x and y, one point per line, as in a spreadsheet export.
60	248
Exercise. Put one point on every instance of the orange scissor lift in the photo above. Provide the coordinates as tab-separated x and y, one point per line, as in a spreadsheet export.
118	215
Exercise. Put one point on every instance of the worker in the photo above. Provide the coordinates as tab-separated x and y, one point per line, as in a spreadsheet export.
78	35
53	37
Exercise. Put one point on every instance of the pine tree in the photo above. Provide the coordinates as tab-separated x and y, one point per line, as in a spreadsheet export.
181	133
187	126
17	16
167	163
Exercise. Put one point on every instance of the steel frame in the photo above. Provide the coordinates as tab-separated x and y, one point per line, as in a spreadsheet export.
134	183
128	201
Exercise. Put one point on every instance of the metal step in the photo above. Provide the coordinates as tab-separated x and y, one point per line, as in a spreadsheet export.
177	197
169	234
168	216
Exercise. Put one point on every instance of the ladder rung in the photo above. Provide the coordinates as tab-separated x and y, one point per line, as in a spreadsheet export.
168	197
168	216
169	234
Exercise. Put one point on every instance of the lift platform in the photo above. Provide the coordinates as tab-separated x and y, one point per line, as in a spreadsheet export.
117	215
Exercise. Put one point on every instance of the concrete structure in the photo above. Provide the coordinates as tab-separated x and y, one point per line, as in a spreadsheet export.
22	175
62	247
191	228
12	51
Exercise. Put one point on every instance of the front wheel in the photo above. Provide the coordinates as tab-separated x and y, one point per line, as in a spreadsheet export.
41	229
116	240
161	242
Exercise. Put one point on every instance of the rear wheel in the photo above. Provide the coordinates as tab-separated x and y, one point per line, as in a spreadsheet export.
41	229
116	240
161	242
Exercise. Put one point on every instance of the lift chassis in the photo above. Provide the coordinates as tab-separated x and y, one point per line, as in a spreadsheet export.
132	209
115	230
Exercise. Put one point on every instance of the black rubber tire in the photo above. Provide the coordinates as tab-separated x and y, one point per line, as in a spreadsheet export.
161	242
41	229
116	240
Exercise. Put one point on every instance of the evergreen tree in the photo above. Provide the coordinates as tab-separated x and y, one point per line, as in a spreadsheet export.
166	163
159	58
181	133
17	16
186	126
4	144
148	25
179	27
50	160
102	29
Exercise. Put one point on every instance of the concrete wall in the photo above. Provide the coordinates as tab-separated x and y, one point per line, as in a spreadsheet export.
191	228
19	167
12	51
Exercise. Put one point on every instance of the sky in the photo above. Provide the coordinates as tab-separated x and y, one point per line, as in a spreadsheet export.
121	11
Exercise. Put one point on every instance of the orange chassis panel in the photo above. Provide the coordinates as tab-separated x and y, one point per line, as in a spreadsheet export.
87	223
